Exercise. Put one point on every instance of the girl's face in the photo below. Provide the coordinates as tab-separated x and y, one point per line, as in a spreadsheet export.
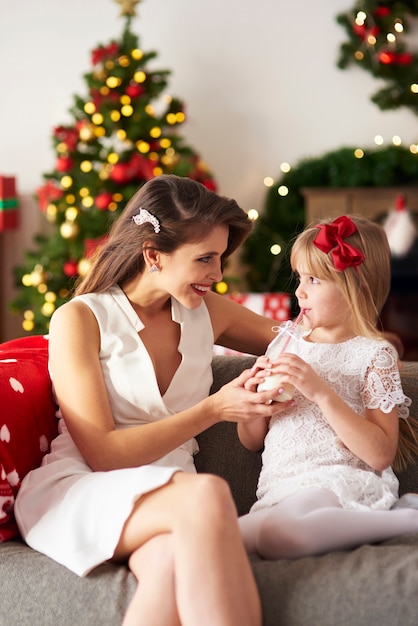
325	308
191	270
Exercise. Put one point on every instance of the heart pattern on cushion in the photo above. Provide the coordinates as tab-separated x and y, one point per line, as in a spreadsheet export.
27	419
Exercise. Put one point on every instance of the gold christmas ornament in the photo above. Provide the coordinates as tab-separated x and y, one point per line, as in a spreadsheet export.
84	266
127	7
47	309
28	325
69	230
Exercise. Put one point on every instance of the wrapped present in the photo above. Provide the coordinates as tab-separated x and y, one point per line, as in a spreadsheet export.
274	305
8	203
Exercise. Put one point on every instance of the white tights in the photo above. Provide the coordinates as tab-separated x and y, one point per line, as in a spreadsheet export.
313	522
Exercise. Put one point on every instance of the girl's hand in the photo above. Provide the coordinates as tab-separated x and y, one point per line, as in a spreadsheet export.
260	366
298	373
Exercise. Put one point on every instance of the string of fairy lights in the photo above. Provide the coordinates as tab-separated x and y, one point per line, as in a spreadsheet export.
376	38
117	141
377	43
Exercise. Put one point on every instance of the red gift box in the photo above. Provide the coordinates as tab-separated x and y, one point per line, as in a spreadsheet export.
274	305
8	203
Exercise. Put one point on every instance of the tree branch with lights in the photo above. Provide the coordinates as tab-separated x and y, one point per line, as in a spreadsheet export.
378	43
125	131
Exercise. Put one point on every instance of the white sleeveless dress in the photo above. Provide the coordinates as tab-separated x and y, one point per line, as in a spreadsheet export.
74	515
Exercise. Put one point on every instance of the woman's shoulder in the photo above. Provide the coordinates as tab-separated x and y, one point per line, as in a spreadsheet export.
71	313
96	296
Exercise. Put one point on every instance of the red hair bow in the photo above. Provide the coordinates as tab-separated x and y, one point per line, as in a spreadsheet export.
331	239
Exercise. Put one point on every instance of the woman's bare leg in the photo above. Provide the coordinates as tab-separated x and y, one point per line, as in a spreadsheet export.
154	601
213	579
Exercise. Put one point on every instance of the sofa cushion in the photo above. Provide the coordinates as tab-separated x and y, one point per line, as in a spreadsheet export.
26	427
37	591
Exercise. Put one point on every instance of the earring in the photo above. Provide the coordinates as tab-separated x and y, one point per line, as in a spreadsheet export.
153	268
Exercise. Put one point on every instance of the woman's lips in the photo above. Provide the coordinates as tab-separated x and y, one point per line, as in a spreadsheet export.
201	290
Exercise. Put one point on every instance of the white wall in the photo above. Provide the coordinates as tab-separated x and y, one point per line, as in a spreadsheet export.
259	80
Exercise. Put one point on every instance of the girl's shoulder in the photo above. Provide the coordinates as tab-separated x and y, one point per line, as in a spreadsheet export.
377	354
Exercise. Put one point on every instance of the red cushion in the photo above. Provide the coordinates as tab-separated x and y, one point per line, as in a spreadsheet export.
27	419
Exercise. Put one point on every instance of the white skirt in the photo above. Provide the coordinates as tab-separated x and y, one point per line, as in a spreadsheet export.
75	516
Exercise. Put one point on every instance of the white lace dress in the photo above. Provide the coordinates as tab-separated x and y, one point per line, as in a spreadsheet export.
303	451
75	515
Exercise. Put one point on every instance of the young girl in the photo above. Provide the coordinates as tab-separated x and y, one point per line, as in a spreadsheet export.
326	481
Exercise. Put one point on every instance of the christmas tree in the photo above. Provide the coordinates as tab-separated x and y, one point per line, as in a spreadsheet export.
377	41
125	132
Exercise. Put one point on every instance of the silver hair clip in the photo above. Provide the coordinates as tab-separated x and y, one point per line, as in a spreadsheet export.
145	216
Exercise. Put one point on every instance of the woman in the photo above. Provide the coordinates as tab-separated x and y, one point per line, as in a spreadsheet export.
130	358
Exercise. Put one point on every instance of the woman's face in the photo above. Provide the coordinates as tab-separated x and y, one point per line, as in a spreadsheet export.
189	272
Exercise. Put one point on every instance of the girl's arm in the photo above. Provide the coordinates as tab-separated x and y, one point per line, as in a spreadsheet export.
252	434
81	393
373	438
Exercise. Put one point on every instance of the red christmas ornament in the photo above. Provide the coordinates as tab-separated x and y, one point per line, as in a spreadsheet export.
98	98
363	33
141	167
382	12
48	193
392	58
70	268
103	200
360	30
404	59
120	173
134	90
387	58
63	164
69	136
90	245
209	183
104	52
154	146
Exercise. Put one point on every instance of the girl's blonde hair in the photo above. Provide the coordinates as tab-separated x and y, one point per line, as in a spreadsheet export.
365	288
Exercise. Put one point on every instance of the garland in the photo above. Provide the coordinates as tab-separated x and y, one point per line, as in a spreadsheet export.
283	216
378	42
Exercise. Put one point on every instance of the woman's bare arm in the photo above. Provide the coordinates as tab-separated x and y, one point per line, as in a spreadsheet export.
82	396
238	328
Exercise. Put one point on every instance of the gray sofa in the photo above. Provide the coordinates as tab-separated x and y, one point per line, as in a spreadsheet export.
374	585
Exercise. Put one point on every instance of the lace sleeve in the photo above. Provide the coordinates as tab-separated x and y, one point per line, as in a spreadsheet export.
383	388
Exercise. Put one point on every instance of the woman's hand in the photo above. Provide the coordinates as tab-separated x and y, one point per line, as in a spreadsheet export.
239	401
